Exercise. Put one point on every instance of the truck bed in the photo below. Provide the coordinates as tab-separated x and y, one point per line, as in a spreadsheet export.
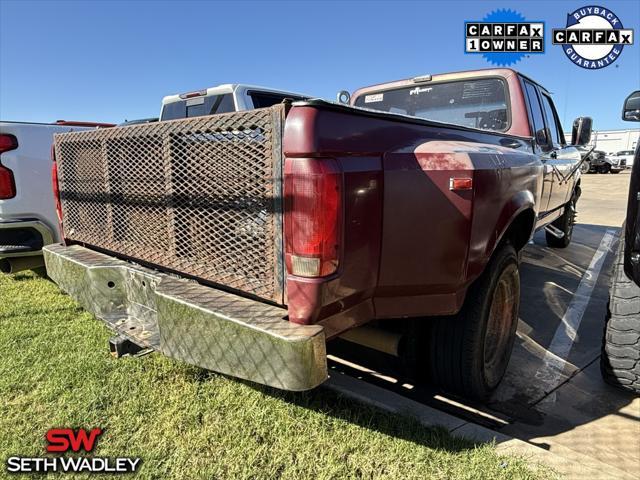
209	199
203	198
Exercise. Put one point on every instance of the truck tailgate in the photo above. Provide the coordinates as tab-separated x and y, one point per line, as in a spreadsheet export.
200	197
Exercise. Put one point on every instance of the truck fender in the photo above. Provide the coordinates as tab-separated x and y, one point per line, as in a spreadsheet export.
516	222
577	189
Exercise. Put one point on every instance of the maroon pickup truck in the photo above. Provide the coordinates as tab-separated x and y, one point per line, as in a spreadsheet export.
242	242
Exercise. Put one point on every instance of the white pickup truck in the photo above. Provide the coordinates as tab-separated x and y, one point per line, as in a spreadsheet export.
28	218
622	159
230	97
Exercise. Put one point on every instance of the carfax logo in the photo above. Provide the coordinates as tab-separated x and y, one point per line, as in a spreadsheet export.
503	37
593	38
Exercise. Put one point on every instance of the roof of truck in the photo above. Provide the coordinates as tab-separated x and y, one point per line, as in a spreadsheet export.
228	88
442	77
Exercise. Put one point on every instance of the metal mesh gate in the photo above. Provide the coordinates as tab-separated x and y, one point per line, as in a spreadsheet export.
199	196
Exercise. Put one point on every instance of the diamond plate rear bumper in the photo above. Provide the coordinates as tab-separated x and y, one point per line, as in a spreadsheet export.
184	320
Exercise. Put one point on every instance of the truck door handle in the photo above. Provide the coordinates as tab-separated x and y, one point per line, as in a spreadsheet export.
510	143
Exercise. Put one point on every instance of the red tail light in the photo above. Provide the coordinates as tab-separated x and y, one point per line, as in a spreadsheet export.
54	183
7	182
7	142
313	216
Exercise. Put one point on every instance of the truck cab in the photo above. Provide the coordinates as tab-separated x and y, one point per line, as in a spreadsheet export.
499	100
230	97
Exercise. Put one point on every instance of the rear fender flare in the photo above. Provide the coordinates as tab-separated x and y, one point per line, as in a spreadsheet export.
521	202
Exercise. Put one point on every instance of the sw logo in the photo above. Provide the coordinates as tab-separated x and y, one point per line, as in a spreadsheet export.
593	38
64	440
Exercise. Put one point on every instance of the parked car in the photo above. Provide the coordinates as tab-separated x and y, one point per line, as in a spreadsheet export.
623	158
616	163
596	161
241	243
620	359
28	218
602	163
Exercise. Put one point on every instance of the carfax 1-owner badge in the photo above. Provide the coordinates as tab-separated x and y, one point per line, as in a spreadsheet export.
593	37
504	37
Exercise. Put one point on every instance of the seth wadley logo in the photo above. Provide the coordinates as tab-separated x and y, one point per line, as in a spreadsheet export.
63	440
593	38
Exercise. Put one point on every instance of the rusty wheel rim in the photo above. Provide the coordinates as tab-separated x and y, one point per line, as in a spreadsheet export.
501	324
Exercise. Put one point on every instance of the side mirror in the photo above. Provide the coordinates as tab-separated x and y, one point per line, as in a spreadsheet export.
581	132
343	97
631	107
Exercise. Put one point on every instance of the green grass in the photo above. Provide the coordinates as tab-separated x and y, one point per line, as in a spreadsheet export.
184	422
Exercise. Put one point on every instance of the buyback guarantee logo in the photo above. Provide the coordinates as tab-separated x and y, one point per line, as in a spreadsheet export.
504	37
593	38
66	441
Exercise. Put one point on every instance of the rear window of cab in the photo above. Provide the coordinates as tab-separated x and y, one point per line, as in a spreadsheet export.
476	103
198	106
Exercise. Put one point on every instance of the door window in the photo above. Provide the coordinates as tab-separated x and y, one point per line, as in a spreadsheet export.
553	124
536	115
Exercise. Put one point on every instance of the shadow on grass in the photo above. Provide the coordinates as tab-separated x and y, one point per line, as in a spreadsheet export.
42	311
330	403
27	275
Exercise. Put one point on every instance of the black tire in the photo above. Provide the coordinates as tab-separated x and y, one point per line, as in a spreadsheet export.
620	358
615	172
468	353
564	223
605	168
585	167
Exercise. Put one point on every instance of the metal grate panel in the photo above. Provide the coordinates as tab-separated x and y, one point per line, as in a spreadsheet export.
199	196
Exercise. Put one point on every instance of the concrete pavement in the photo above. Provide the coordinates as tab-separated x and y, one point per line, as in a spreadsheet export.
564	406
552	396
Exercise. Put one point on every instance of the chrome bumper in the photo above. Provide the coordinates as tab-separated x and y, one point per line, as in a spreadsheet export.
184	320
